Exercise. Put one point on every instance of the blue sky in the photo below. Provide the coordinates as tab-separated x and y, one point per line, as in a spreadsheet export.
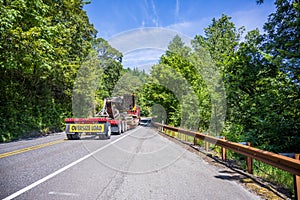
188	17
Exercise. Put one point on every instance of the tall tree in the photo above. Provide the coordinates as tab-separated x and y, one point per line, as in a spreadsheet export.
177	86
264	97
42	45
283	37
111	60
177	47
221	40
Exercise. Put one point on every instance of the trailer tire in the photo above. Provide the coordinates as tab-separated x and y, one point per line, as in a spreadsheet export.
123	127
76	136
70	136
119	128
107	129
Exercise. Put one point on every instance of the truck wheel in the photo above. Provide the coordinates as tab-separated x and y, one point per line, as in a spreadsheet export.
119	128
70	136
126	127
76	136
123	127
107	130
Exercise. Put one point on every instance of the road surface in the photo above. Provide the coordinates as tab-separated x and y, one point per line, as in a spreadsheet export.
140	164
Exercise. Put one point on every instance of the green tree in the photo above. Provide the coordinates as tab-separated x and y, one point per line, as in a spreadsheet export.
177	47
283	35
261	97
111	60
178	86
86	87
265	97
221	40
127	84
160	89
42	44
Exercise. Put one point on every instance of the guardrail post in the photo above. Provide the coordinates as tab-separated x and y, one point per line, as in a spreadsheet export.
249	162
195	140
206	144
297	181
223	150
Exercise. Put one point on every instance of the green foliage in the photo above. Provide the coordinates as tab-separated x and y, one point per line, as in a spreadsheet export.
110	59
157	91
273	174
221	39
177	47
42	45
265	98
282	38
176	86
130	82
89	79
261	97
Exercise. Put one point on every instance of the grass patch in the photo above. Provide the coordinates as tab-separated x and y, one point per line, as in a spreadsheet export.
274	175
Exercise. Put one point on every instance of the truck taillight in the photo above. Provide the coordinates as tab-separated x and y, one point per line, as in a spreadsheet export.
101	119
85	120
113	122
69	120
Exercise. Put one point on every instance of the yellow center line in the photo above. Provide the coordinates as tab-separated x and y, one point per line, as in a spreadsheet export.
11	153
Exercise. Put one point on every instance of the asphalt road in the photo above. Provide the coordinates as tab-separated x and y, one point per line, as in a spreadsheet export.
140	164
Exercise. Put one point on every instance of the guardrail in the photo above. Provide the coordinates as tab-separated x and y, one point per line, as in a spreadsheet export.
282	162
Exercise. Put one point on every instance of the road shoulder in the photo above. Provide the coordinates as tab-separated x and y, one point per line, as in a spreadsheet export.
232	172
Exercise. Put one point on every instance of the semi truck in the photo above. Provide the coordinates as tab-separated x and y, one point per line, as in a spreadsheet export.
118	115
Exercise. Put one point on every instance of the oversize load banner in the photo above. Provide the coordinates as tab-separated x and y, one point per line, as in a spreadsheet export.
86	128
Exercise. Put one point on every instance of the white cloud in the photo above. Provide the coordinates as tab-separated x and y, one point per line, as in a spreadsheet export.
177	9
155	19
145	38
144	46
149	14
143	59
143	54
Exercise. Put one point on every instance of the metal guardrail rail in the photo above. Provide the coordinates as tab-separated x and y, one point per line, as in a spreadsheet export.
280	161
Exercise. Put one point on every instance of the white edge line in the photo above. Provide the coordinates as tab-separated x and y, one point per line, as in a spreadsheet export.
29	187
